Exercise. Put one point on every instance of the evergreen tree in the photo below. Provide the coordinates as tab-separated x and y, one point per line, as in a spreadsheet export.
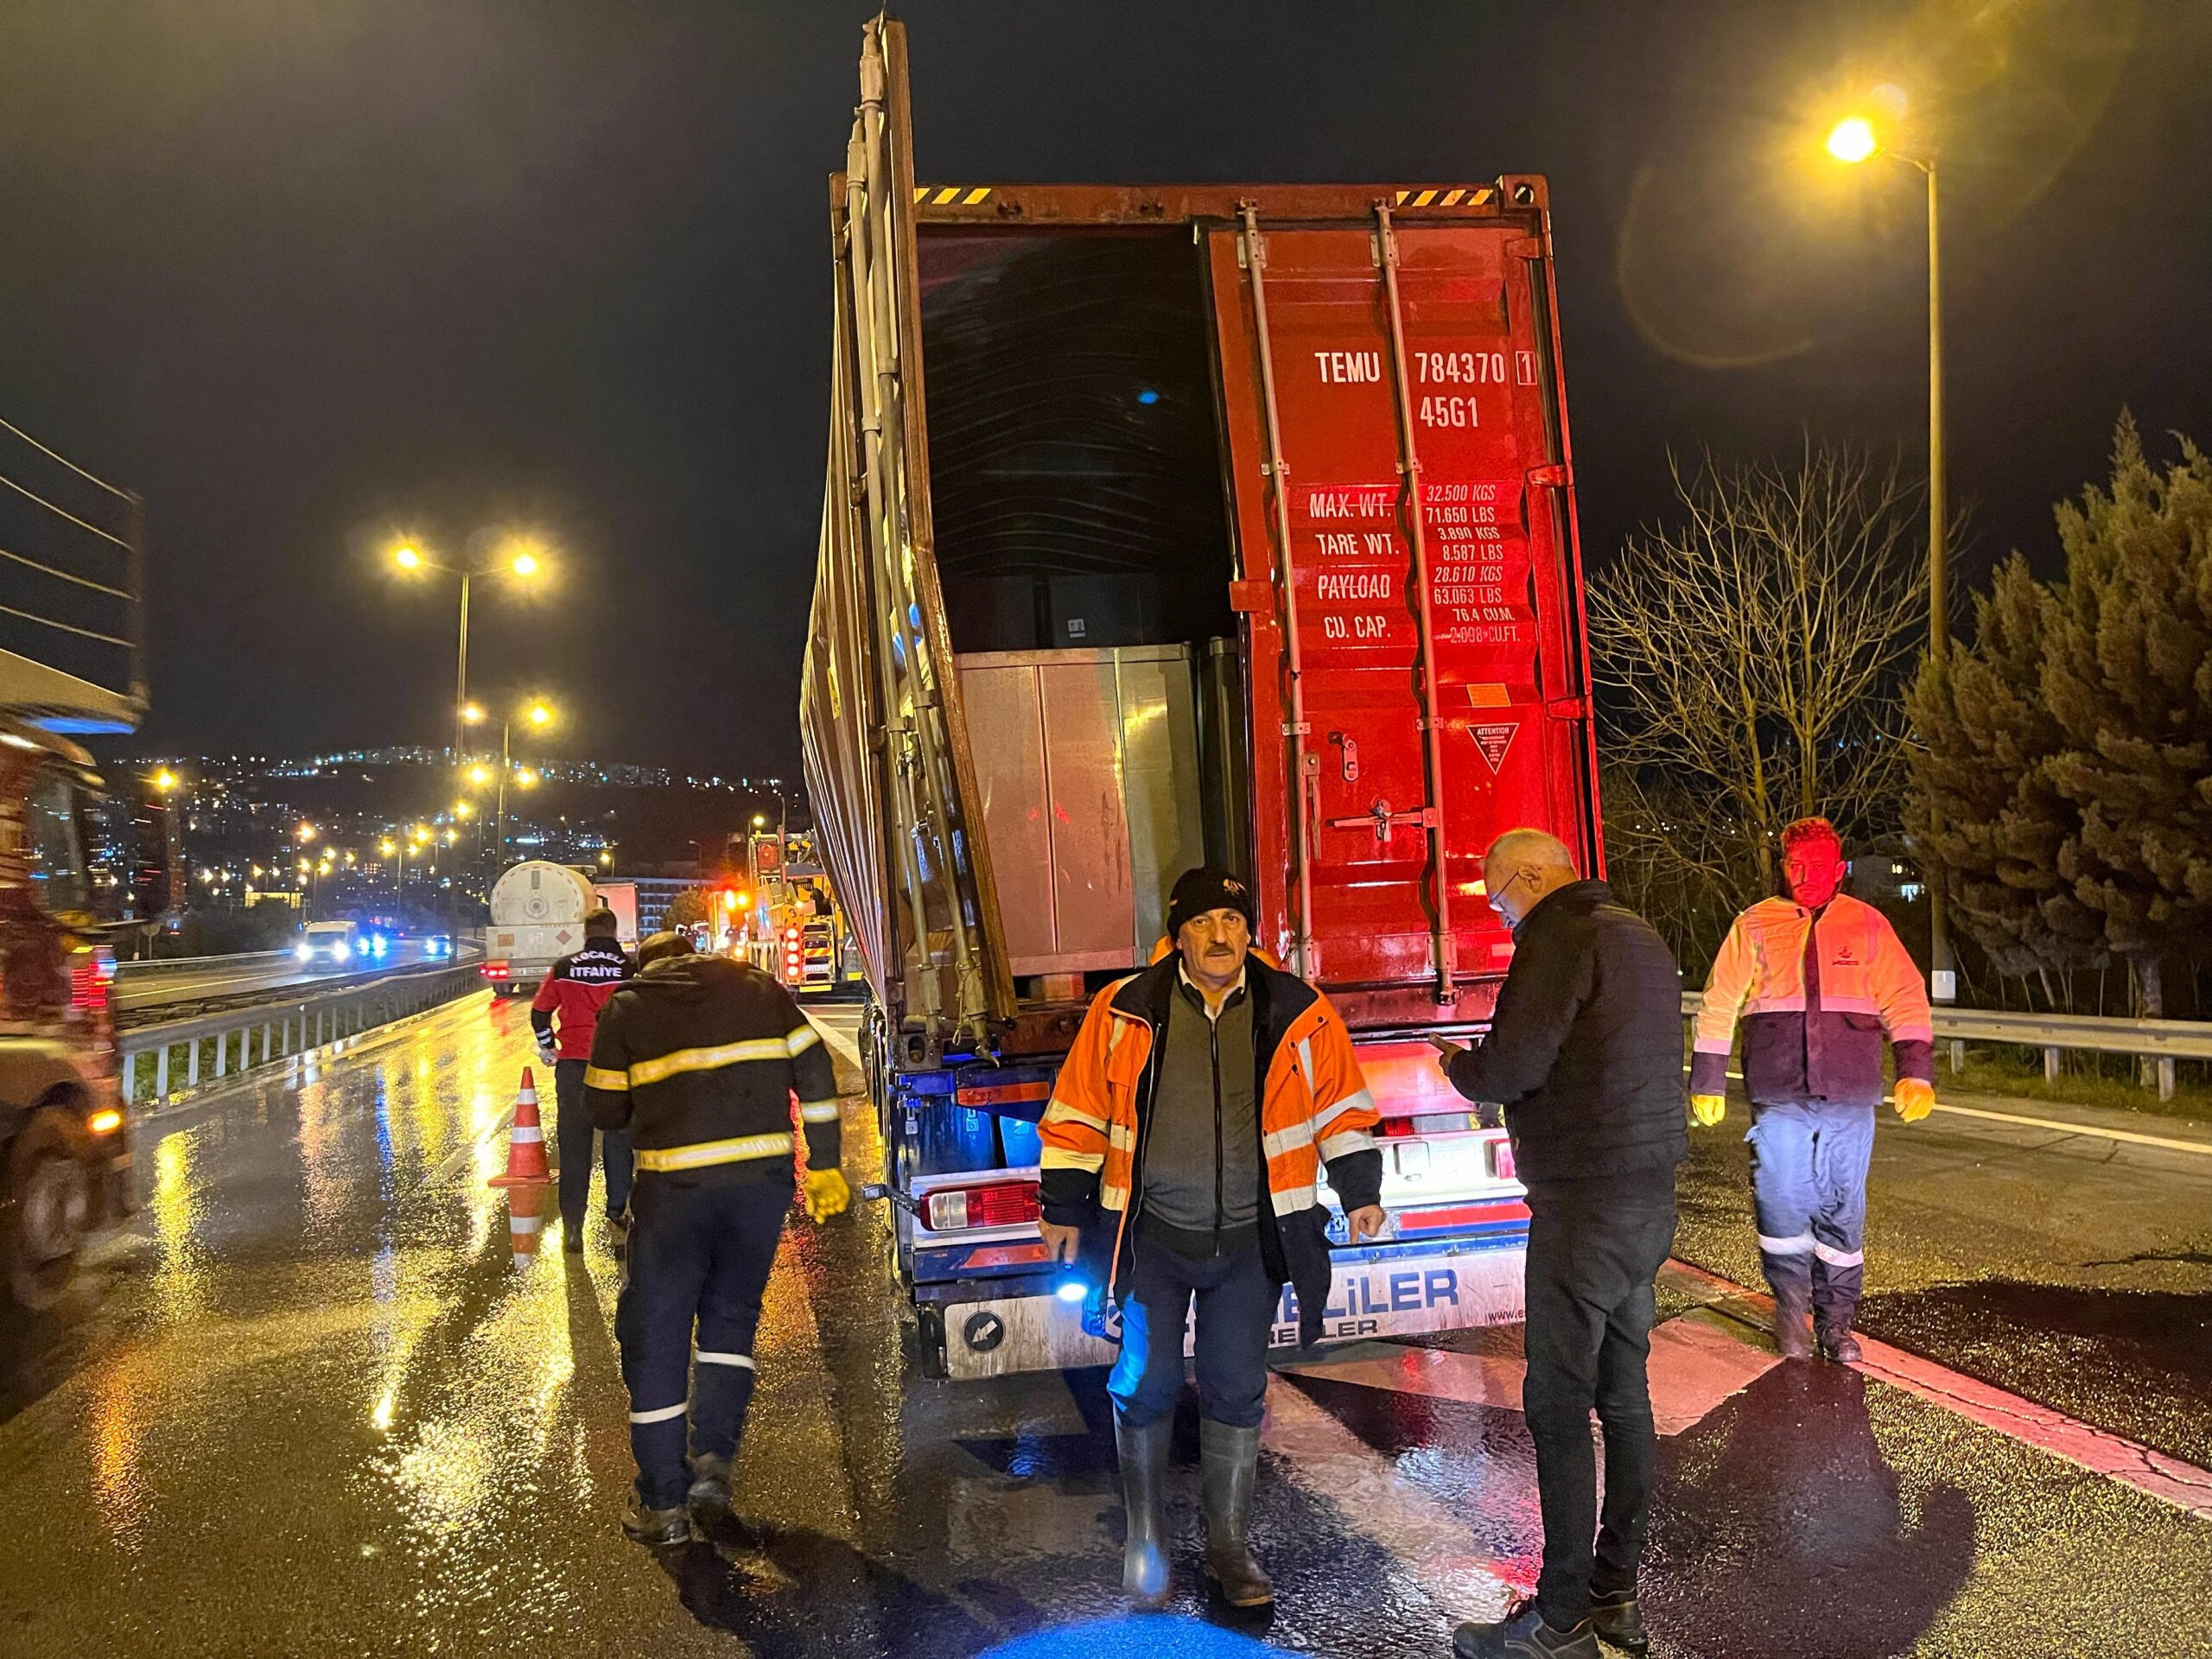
1985	761
2127	683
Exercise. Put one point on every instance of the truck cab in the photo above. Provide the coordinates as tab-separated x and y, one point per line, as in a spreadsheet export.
65	1147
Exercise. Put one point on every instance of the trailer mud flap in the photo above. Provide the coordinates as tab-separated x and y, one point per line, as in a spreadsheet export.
1390	1292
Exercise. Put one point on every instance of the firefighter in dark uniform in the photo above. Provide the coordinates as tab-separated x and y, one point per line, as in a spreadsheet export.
699	1058
564	1015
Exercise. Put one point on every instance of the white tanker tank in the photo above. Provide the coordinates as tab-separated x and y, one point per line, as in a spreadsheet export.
537	918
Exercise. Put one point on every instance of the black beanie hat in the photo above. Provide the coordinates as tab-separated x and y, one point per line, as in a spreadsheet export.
1206	888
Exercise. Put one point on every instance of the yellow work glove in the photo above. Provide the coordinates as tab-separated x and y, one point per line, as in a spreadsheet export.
1708	1109
1915	1099
827	1195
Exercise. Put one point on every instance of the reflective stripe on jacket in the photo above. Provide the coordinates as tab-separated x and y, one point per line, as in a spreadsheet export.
706	1062
1821	1042
1313	1107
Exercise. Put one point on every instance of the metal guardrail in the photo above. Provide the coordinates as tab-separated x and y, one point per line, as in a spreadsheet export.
222	1046
2163	1041
162	967
135	1015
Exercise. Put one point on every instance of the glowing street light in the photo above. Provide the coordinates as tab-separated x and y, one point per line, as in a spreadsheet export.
306	833
479	775
520	558
538	714
387	847
461	810
1852	141
164	781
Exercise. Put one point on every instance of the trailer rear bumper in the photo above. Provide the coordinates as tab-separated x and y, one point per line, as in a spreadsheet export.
1397	1289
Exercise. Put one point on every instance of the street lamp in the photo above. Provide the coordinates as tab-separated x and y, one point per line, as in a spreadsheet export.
519	558
537	713
1852	141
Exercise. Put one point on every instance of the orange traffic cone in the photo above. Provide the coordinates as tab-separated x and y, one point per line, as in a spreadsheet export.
525	1218
527	1141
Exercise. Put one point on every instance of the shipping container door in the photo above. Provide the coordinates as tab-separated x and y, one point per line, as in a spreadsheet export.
1483	434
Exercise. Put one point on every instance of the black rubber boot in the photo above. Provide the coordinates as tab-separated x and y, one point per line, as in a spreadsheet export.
1618	1619
708	1497
1793	1327
1143	1452
1833	1327
1228	1463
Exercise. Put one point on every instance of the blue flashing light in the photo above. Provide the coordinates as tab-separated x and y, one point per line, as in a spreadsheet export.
1072	1290
1148	396
1134	1637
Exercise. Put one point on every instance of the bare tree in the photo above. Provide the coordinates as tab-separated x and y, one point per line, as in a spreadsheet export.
1754	655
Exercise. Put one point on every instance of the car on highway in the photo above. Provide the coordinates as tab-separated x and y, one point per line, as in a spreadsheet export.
339	945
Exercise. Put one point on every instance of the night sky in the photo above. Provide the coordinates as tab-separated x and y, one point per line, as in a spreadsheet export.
308	272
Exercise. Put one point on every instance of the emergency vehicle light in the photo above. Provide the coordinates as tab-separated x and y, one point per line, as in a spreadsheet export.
1000	1204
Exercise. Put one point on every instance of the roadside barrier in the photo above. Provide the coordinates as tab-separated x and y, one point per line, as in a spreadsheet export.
241	1042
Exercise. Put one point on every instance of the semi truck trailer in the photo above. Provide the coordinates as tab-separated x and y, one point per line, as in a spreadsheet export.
1168	524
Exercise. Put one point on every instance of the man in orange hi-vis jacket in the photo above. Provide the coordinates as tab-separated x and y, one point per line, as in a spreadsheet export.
1818	979
1186	1136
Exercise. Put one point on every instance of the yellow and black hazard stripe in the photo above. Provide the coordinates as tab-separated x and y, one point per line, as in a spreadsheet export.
947	195
1439	195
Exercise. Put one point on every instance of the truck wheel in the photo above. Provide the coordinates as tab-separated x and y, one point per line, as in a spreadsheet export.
46	1211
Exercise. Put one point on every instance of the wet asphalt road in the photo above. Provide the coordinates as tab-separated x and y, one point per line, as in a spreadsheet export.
312	1404
2074	1270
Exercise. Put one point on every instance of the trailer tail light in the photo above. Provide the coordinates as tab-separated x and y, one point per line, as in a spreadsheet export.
494	970
1501	1160
106	1123
91	980
1000	1204
984	1095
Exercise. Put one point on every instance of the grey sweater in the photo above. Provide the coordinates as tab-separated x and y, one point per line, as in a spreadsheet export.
1203	1173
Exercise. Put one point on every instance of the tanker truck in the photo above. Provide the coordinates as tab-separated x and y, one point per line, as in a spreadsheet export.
537	918
1168	524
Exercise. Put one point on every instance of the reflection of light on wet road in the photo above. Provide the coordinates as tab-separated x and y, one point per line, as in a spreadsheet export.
175	1204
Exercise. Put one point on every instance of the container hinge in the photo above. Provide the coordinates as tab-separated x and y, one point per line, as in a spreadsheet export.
1349	744
1569	707
1553	477
1300	728
1524	247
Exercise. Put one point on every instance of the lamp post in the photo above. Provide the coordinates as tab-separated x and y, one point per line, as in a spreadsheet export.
1853	141
520	558
537	713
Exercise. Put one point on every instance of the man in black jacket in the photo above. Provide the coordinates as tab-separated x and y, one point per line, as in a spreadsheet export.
1585	1055
699	1057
